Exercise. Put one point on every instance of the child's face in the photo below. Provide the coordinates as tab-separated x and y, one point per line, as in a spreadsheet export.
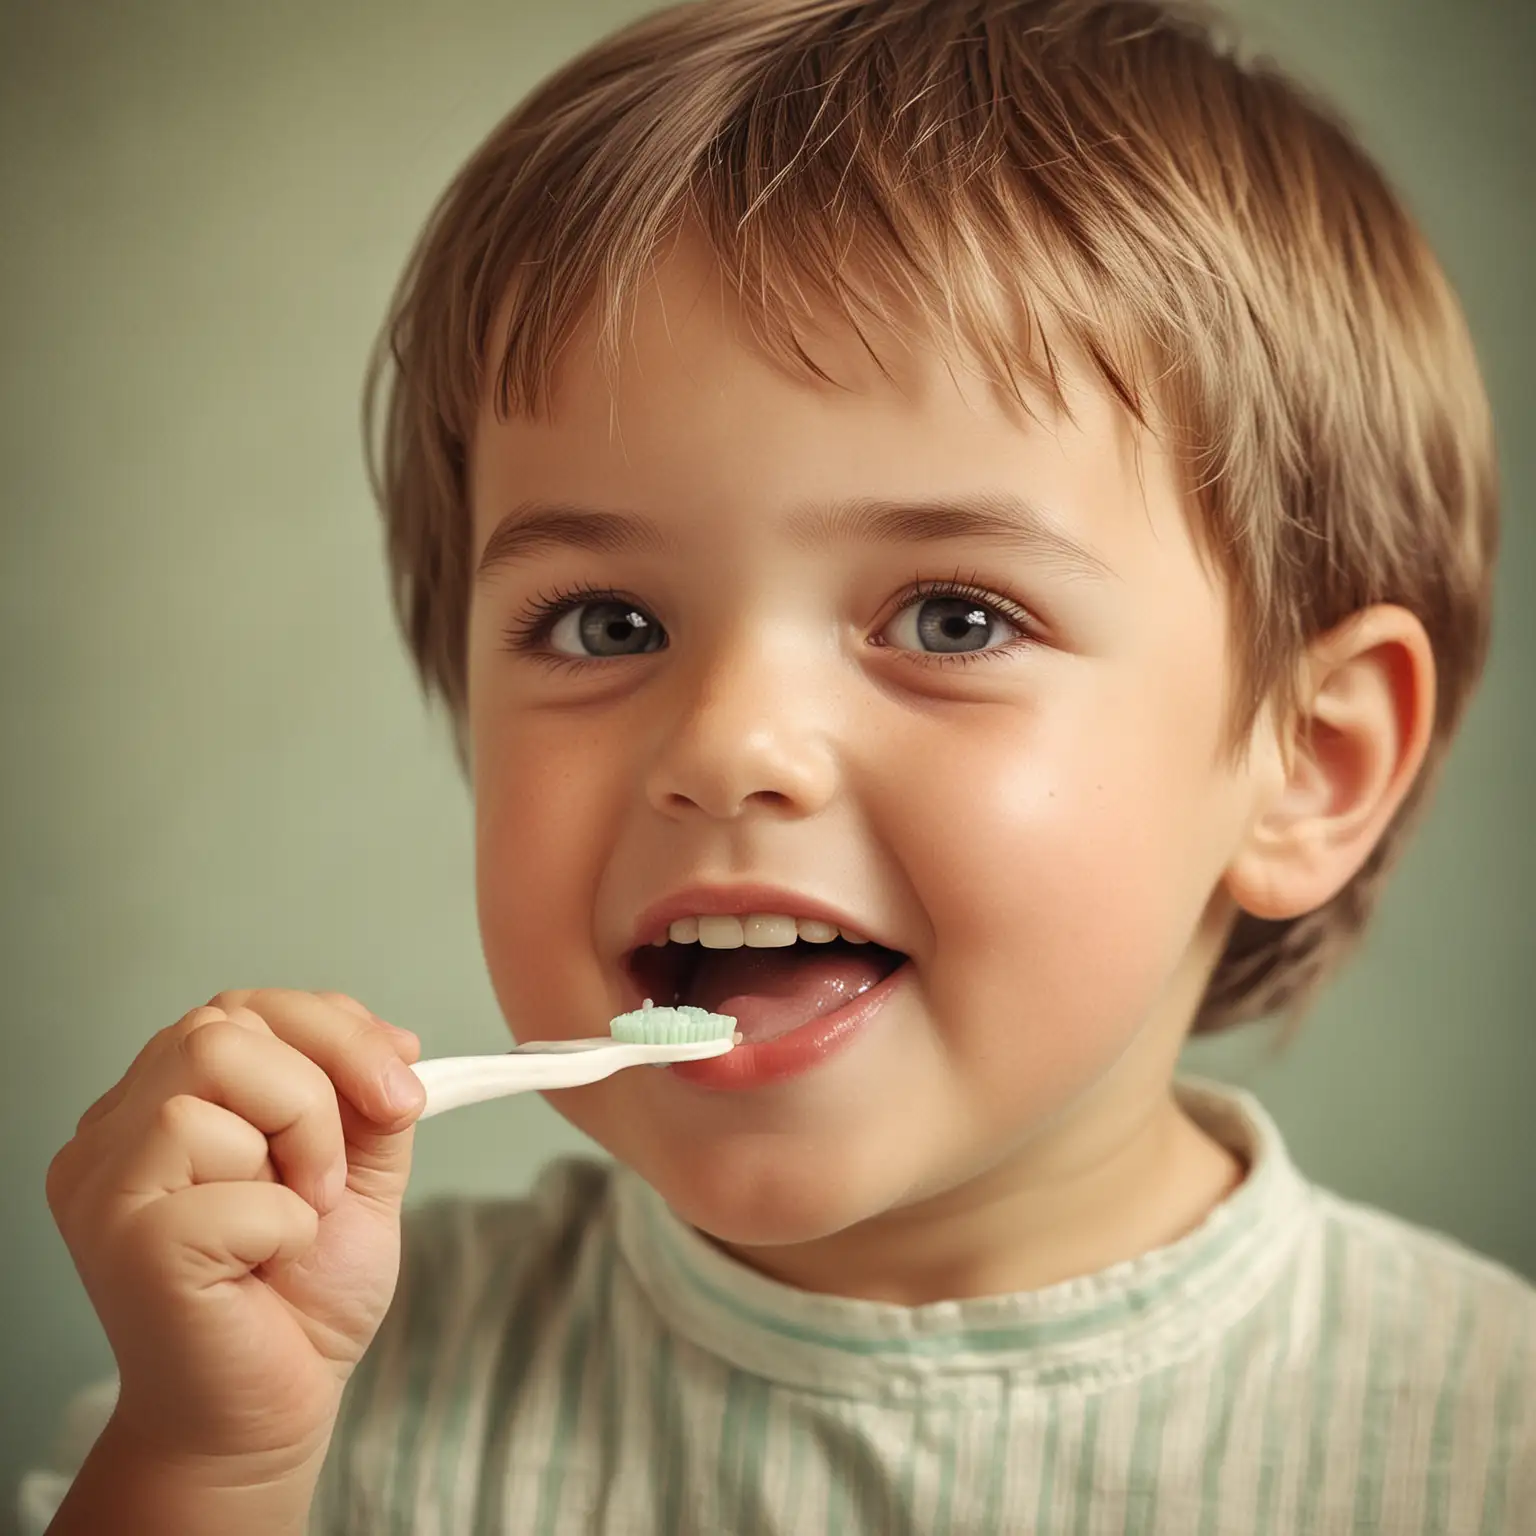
1042	828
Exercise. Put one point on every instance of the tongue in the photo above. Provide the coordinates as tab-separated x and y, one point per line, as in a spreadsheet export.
772	991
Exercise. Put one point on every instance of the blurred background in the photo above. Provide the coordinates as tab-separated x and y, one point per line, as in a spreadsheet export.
218	771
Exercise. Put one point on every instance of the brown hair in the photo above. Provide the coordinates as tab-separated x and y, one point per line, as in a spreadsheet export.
1110	172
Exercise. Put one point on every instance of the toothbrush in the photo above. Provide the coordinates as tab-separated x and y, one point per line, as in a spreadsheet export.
649	1036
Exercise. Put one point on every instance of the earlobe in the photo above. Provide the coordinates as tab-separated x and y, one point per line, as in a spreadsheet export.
1364	722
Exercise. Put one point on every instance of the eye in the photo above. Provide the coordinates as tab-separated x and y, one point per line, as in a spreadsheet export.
608	628
583	624
954	620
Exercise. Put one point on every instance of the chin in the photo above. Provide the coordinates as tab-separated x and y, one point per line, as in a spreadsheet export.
767	1192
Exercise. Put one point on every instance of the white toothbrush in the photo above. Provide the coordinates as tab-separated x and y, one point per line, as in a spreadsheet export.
649	1036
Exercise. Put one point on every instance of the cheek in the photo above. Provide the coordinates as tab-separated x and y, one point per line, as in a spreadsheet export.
541	823
1063	870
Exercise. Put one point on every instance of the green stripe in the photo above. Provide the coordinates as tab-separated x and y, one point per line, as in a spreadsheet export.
997	1467
1141	1474
420	1302
1505	1408
1442	1440
667	1458
610	1386
1047	1465
1132	1305
1279	1416
906	1494
451	1438
488	1322
727	1483
798	1440
1331	1324
752	1513
1083	1487
573	1368
1380	1385
539	1298
894	1509
854	1473
833	1518
1220	1411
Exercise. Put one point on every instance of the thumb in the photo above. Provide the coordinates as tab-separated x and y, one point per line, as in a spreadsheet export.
378	1161
379	1154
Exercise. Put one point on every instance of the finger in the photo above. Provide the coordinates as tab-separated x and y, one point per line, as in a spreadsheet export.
208	1234
351	1004
231	998
194	1141
378	1163
264	1081
359	1056
104	1105
161	1042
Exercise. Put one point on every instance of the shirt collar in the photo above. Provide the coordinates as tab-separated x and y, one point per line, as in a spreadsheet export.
1136	1316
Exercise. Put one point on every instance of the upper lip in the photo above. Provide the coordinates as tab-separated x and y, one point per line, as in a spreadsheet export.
738	901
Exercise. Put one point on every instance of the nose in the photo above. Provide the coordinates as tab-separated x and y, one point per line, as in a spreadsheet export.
751	728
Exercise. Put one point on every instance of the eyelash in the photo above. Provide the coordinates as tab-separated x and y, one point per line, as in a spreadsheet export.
532	628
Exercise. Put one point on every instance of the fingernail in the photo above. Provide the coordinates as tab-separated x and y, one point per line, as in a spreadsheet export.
402	1087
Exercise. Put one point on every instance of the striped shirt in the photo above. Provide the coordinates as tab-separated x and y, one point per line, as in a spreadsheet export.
580	1361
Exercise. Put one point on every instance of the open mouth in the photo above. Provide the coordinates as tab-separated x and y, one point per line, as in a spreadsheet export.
768	991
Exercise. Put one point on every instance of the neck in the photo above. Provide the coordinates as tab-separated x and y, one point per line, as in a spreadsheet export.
1061	1207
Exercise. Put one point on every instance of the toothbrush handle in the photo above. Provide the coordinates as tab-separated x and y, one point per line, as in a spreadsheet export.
454	1081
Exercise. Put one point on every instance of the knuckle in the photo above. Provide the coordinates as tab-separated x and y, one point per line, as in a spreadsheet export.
248	1019
261	1008
190	1023
204	1045
367	1043
177	1114
320	1094
230	998
347	1004
265	1000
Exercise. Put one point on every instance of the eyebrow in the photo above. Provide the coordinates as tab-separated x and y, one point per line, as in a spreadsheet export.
997	518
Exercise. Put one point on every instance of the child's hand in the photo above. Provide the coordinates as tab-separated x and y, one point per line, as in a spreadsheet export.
238	1278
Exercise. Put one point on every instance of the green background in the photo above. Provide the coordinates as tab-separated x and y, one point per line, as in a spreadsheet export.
217	769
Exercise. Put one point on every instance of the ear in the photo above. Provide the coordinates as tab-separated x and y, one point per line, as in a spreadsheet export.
1339	769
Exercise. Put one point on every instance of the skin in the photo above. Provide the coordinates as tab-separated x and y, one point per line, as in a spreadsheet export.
1051	830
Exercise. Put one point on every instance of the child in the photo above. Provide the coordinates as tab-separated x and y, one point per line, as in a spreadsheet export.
992	503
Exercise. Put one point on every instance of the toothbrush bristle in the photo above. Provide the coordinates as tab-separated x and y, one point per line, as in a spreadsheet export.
650	1025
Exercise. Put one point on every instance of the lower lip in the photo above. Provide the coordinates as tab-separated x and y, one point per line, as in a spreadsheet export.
796	1051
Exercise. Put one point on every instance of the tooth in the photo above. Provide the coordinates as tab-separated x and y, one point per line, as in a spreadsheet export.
814	931
720	932
760	930
769	930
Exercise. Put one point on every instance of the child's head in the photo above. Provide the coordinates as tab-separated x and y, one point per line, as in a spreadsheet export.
1064	266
